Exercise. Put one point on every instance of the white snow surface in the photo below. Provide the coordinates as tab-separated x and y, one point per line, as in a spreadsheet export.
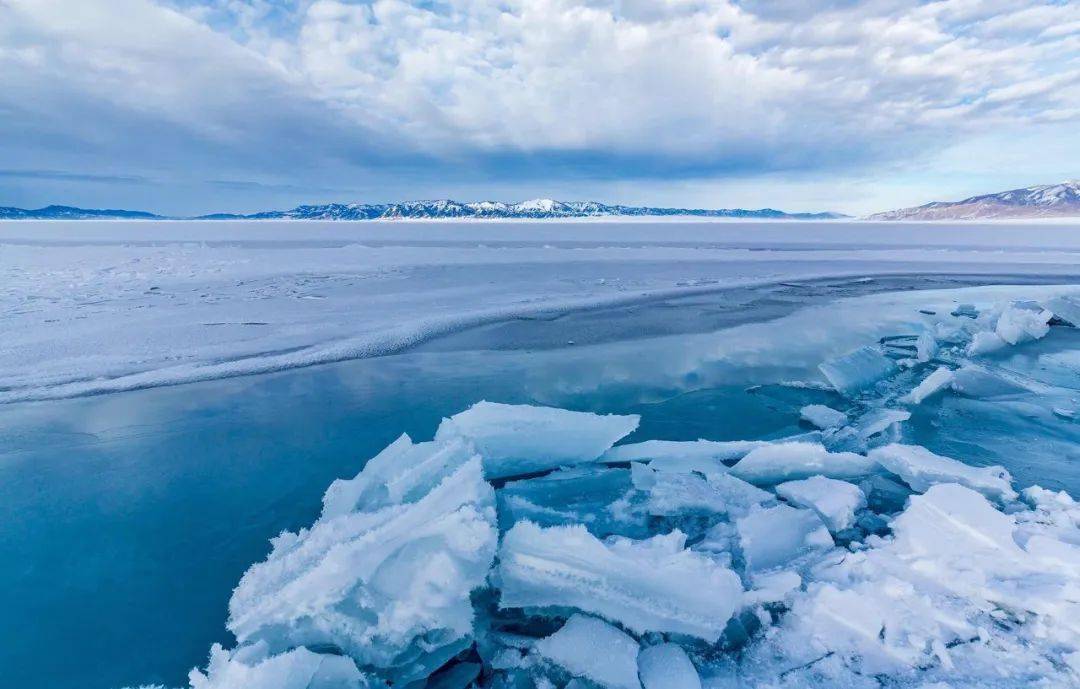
834	501
100	306
591	648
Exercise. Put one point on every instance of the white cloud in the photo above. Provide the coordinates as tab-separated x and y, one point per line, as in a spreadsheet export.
531	88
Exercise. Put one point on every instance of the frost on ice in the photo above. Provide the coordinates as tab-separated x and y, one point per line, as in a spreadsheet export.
523	549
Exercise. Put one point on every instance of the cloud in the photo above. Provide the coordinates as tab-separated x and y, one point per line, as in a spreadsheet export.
333	94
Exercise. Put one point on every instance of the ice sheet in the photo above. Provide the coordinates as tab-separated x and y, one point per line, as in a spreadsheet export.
92	307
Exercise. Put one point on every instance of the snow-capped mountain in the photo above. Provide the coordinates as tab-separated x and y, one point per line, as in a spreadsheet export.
1043	201
536	208
445	208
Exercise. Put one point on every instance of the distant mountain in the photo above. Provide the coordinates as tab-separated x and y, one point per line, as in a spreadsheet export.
444	209
1044	201
537	209
71	213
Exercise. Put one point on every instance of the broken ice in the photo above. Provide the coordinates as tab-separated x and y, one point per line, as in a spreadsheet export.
523	549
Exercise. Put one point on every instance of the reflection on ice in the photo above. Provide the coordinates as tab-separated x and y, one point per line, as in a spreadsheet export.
522	548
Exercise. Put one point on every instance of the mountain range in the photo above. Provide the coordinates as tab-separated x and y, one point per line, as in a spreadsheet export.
1043	201
535	209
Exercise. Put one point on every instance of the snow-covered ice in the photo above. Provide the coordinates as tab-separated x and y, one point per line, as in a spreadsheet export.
785	461
777	536
823	417
99	306
389	587
515	440
666	666
591	648
836	502
920	468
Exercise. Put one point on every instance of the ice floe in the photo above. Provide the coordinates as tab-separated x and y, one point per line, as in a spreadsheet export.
920	468
786	461
517	439
836	502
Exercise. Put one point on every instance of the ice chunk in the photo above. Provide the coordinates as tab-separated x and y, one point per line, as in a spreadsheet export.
950	521
966	310
671	494
403	472
857	370
877	421
985	342
934	383
584	495
593	649
779	462
520	439
920	468
822	416
390	588
834	501
951	594
1067	308
926	347
772	537
251	667
666	666
654	584
1017	324
698	455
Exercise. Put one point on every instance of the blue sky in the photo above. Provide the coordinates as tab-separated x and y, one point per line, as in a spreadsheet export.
191	106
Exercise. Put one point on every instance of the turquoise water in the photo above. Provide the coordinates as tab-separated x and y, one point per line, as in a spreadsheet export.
125	520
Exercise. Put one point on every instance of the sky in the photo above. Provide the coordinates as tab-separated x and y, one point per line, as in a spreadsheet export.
193	106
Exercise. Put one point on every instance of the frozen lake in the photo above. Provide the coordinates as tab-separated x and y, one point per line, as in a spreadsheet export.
128	518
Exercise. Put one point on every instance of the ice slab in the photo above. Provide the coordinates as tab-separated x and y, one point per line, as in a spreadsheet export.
857	370
515	440
697	455
926	347
253	668
780	462
651	585
985	342
934	383
1018	324
1065	307
823	417
666	666
775	537
836	502
580	495
403	472
920	468
390	587
593	649
670	493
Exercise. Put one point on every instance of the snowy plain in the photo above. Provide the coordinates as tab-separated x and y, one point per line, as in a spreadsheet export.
89	307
